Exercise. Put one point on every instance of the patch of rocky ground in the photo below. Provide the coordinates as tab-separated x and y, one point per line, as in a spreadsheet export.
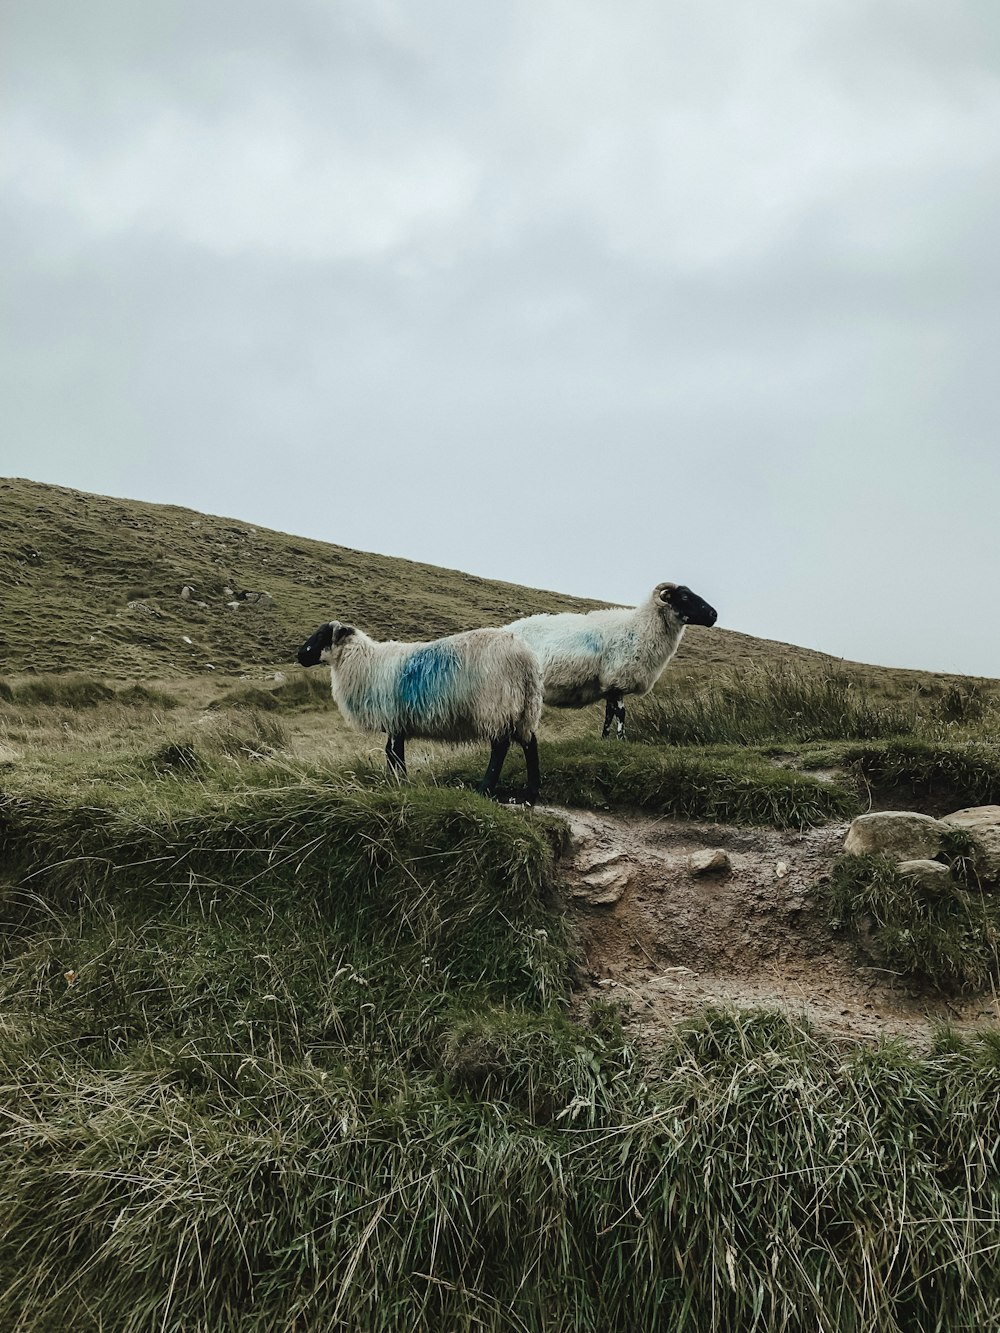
674	916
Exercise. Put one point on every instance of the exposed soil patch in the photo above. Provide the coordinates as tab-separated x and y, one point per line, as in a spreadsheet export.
668	942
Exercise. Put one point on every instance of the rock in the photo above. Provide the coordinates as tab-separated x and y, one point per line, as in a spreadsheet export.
603	878
187	592
930	875
228	592
901	833
709	862
579	835
253	601
594	858
279	677
145	608
781	869
982	824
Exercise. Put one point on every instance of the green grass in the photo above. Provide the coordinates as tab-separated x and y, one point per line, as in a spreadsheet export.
282	1049
756	705
943	937
435	869
791	704
79	690
944	774
318	1147
303	690
722	785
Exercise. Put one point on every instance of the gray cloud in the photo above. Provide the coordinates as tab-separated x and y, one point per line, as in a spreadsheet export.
581	295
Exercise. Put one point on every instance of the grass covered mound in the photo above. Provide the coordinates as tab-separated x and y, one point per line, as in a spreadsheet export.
78	690
300	1058
722	785
943	935
439	873
943	773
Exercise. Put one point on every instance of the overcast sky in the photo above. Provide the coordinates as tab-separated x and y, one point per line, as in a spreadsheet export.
575	293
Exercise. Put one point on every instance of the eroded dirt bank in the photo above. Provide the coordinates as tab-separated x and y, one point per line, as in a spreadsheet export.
668	942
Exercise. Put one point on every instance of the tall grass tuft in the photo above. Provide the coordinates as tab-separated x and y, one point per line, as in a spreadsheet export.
243	733
757	705
299	691
944	774
67	691
945	936
78	690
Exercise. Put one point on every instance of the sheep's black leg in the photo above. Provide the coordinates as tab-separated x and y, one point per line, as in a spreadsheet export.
395	756
534	784
614	710
498	753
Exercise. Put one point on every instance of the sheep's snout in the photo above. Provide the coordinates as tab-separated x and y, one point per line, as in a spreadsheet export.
311	652
689	608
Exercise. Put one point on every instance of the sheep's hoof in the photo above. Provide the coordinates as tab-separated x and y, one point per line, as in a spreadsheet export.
504	796
523	800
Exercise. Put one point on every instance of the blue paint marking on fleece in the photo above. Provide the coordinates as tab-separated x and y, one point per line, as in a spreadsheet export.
591	641
426	678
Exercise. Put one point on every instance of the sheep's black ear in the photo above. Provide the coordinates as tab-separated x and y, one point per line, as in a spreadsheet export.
341	633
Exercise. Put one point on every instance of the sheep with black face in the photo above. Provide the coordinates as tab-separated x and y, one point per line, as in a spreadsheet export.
485	684
612	652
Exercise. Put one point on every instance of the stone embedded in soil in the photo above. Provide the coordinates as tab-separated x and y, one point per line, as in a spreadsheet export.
900	833
604	885
694	927
709	862
930	875
982	824
579	835
596	858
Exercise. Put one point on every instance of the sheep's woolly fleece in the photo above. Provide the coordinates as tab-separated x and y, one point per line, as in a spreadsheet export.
483	684
585	656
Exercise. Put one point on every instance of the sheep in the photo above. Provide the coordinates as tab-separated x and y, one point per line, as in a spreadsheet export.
609	653
484	684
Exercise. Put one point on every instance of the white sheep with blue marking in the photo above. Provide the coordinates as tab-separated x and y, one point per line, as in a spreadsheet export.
612	652
485	684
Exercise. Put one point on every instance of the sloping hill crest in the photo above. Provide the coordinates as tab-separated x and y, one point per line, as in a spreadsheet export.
95	583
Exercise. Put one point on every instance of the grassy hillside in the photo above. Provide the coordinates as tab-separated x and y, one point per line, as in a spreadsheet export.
282	1050
285	1045
71	564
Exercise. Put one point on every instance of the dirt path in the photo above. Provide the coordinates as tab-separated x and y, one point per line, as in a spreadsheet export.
670	942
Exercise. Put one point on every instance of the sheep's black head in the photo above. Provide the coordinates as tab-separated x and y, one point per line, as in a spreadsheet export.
326	637
686	605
